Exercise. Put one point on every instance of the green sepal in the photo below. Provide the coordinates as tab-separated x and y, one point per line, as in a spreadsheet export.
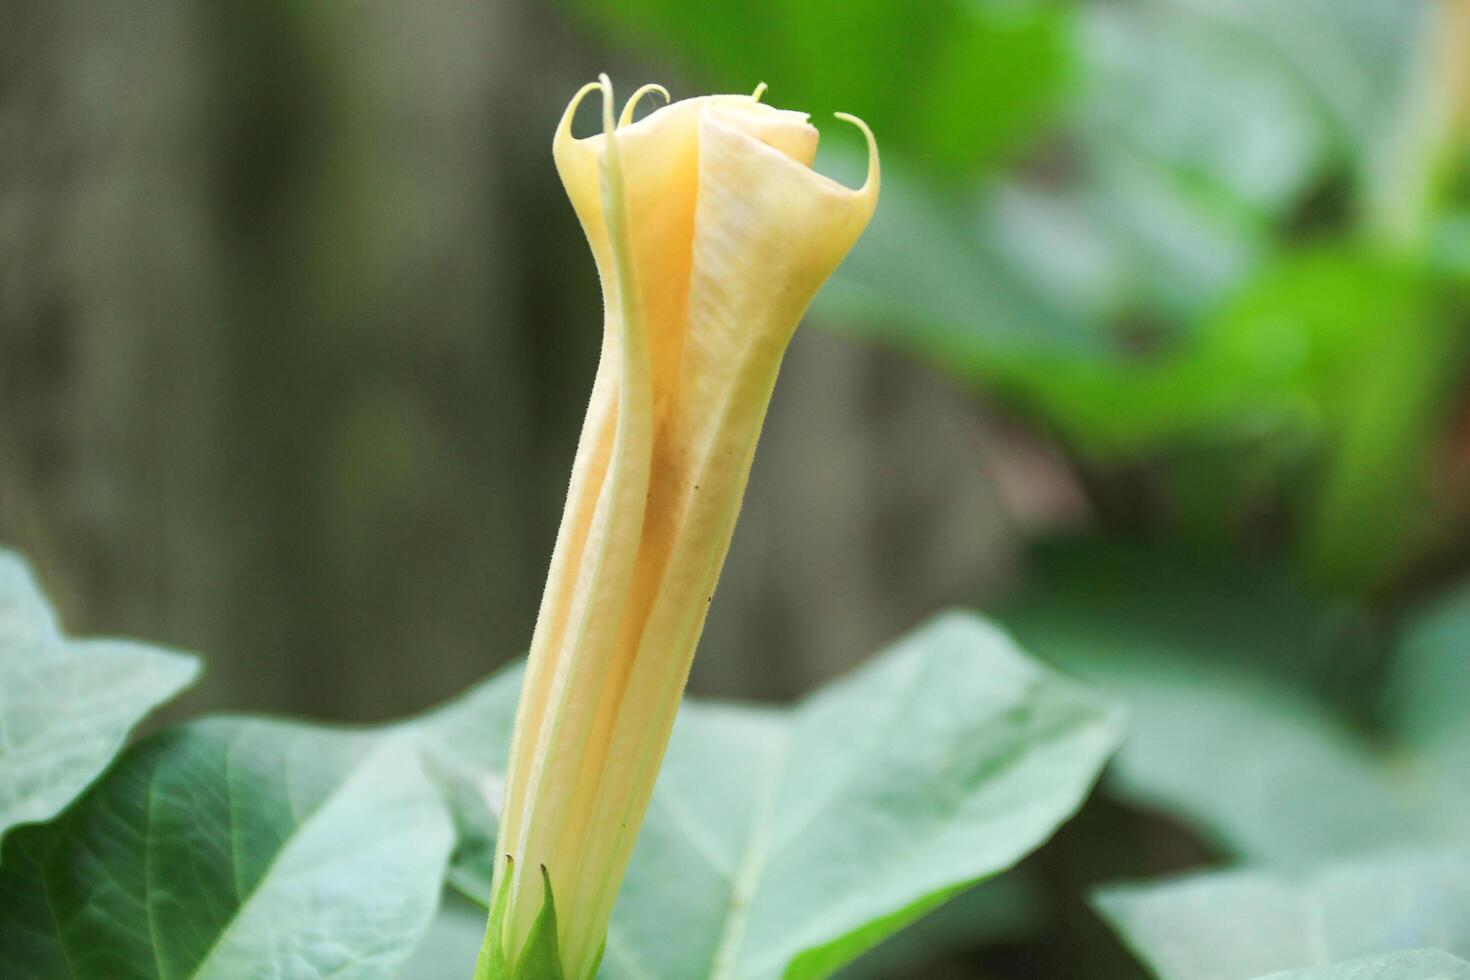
492	963
541	959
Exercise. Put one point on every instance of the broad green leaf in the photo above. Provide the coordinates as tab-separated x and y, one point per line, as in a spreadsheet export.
231	848
1239	925
945	761
1415	964
711	804
1209	658
66	706
452	940
465	745
1004	909
1267	774
800	838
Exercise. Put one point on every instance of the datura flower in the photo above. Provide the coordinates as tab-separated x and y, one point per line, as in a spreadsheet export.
711	234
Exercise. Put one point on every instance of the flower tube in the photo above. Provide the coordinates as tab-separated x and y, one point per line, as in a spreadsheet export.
711	234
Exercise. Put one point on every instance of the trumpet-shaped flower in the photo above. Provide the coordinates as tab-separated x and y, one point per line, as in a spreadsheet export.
711	234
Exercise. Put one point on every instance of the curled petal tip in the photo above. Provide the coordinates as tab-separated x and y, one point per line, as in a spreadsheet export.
632	102
760	90
870	185
564	128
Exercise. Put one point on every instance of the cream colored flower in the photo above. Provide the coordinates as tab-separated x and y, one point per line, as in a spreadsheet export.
711	234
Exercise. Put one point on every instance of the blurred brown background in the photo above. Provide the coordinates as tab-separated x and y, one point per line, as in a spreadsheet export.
296	328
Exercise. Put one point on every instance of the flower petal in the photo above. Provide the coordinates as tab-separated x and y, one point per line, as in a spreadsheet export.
597	546
767	232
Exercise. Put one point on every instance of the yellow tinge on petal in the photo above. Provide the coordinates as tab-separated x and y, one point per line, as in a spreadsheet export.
711	235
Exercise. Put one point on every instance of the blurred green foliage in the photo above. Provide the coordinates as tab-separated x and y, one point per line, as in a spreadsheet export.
953	83
1222	239
1254	924
1256	712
